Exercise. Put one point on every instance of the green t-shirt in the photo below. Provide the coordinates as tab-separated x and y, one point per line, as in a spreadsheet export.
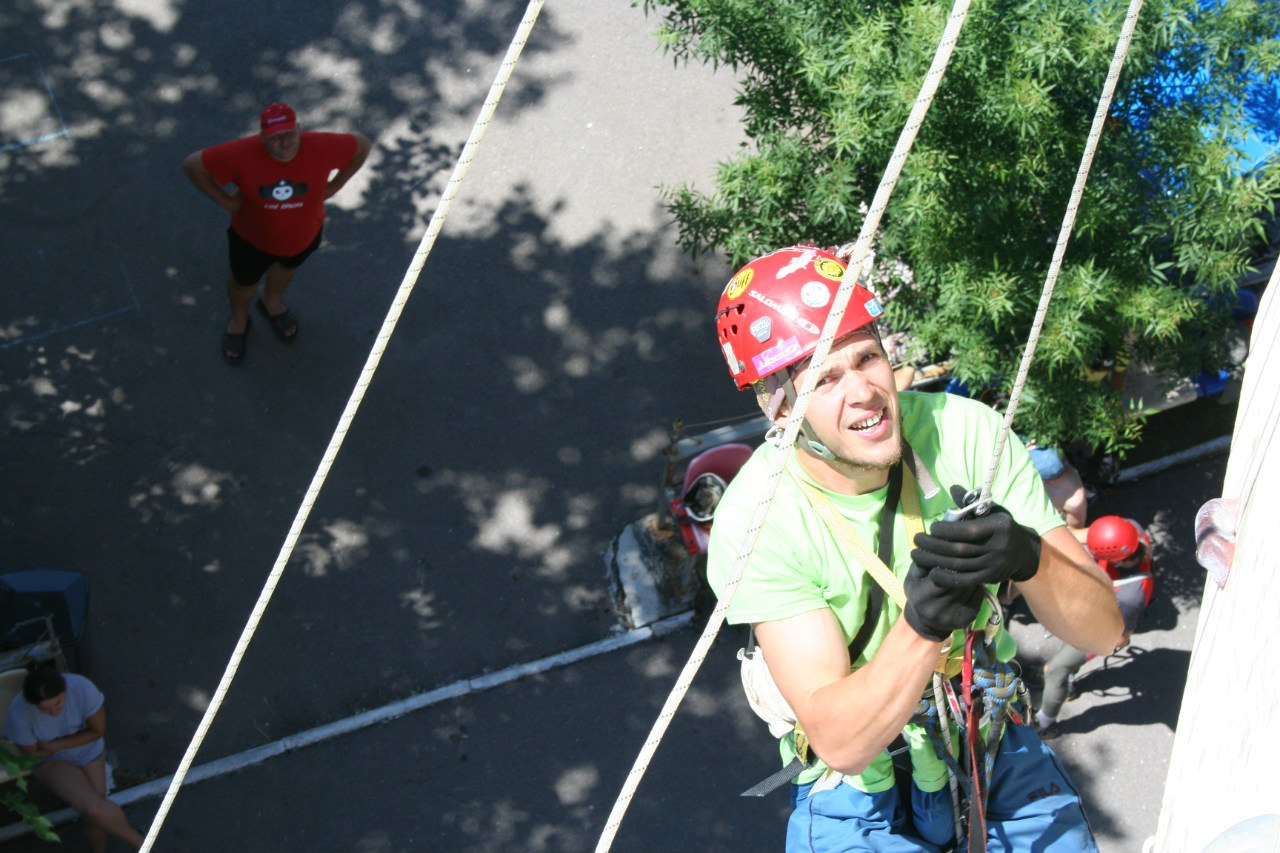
798	564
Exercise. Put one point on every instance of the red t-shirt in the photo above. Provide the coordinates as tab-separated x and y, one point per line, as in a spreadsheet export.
283	205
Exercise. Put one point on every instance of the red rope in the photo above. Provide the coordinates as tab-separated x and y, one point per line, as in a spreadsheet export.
977	816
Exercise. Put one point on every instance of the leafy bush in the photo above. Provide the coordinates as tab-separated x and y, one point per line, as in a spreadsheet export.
1167	226
15	800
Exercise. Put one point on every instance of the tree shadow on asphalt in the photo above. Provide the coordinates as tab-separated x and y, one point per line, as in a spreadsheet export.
1149	681
472	544
689	798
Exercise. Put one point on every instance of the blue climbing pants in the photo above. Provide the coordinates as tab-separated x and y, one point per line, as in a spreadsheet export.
1032	807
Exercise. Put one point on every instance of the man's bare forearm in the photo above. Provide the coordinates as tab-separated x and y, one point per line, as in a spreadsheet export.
203	181
1072	598
851	721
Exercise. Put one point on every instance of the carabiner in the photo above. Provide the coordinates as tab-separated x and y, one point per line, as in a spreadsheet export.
972	506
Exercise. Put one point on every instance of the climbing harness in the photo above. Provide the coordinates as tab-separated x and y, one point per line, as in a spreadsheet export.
762	694
348	414
986	682
991	686
981	501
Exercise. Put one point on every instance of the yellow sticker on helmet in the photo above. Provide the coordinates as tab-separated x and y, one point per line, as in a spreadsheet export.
739	283
833	270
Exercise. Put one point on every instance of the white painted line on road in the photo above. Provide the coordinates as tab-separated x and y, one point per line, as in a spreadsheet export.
1192	454
386	713
467	686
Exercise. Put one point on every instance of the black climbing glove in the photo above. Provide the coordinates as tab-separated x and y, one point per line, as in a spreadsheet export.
977	550
934	610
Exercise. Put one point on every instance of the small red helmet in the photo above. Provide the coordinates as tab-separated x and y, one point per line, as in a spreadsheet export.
1113	538
772	311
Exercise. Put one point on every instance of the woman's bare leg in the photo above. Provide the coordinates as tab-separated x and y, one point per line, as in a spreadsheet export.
85	790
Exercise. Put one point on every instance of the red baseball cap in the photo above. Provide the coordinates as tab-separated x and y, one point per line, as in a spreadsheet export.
277	118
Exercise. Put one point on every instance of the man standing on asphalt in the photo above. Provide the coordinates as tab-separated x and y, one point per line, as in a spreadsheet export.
282	178
867	477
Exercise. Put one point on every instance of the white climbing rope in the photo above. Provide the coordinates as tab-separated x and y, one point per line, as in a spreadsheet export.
1064	235
861	248
353	404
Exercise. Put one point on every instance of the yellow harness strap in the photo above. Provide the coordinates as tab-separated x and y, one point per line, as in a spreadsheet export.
949	661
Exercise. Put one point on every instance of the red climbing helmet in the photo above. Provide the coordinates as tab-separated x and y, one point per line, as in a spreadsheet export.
772	311
1113	538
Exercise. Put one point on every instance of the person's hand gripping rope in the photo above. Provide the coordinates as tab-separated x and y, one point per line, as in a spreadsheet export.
956	558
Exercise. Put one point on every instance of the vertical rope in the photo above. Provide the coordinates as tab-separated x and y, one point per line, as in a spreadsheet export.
860	251
353	404
1064	235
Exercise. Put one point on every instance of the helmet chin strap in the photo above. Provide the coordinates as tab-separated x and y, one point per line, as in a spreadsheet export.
771	392
817	447
807	433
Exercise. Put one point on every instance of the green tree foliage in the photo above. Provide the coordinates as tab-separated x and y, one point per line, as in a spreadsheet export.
1167	224
15	799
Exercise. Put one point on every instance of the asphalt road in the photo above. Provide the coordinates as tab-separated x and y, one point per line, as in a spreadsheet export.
512	430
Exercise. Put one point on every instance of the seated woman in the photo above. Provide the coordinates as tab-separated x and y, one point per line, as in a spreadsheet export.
60	719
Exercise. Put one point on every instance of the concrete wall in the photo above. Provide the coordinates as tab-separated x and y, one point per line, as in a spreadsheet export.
1226	751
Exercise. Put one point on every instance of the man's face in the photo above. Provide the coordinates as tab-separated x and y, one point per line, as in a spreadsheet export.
282	146
854	409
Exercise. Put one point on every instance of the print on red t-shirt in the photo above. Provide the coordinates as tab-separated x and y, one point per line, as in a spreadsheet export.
283	206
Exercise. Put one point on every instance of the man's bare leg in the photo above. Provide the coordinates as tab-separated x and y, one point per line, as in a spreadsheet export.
279	277
241	297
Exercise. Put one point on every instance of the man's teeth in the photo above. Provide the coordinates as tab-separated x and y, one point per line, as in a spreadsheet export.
869	422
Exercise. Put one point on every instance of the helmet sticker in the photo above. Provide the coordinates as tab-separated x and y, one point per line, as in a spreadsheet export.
762	329
797	263
833	270
777	355
735	366
874	308
788	311
739	283
815	294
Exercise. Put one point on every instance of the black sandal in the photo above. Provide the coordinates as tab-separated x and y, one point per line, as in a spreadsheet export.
283	324
233	346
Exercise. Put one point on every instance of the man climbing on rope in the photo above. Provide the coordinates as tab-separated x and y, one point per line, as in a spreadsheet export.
282	178
849	649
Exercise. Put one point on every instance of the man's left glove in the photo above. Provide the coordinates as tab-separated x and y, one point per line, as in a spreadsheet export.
991	548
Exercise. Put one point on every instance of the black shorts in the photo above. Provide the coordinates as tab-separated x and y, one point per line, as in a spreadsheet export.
248	262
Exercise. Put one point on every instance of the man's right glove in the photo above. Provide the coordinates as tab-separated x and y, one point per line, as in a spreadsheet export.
935	611
991	548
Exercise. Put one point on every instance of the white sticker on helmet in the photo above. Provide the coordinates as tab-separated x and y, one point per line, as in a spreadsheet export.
797	263
815	294
735	366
